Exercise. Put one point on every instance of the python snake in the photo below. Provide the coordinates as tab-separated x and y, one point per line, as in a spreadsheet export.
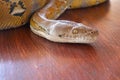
14	13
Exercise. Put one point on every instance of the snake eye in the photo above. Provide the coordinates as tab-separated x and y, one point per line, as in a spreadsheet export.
75	31
60	35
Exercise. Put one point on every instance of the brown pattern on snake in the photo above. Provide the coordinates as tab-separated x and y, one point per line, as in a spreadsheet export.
17	7
10	20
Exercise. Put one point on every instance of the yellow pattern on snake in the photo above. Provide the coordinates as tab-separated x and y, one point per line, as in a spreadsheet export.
14	13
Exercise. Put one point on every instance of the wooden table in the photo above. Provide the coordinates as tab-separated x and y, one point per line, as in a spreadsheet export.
25	56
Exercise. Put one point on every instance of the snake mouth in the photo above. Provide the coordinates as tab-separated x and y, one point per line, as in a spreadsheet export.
79	38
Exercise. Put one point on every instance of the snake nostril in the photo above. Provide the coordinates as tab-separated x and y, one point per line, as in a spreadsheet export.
93	32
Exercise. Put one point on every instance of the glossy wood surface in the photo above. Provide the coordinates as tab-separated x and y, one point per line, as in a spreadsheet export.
25	56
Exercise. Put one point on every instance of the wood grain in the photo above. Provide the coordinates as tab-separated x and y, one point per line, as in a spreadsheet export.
25	56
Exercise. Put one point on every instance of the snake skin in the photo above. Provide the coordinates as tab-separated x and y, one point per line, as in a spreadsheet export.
14	13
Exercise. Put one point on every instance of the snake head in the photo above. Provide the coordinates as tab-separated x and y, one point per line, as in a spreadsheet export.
65	31
72	32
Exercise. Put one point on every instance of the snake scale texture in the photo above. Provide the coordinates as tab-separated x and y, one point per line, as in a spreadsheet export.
14	13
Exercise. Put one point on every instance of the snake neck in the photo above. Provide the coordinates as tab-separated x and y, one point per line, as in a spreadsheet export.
54	8
47	15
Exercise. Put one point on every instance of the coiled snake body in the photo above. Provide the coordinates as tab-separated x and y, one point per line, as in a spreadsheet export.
14	13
